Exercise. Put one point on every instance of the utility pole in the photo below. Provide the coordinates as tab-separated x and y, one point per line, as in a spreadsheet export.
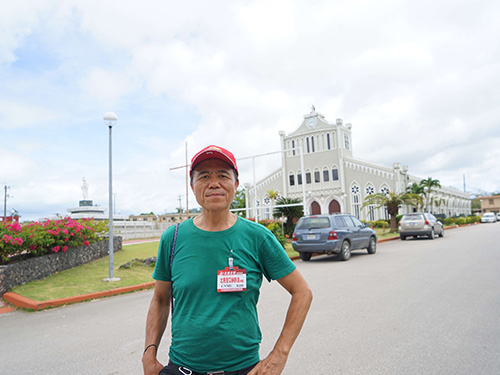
5	203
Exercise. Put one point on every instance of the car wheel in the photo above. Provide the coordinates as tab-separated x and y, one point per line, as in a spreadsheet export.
305	256
372	247
432	234
345	251
442	233
402	237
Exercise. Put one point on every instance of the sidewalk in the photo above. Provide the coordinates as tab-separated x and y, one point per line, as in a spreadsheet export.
19	301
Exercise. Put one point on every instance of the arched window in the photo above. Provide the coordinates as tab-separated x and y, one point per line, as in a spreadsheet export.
335	173
317	176
369	190
328	145
291	179
326	175
385	190
293	147
308	176
355	199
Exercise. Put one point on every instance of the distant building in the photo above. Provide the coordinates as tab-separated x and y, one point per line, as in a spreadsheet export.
490	204
86	209
331	180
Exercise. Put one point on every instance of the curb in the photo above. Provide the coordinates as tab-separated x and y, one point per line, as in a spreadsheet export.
26	303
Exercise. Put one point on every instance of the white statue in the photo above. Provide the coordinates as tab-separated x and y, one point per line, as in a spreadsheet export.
85	189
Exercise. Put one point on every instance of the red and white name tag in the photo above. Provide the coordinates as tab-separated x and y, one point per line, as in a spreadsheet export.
231	280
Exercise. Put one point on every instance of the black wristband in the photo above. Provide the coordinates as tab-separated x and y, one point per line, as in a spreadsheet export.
149	346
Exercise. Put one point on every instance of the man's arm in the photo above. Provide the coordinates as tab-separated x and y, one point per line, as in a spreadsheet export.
275	362
156	323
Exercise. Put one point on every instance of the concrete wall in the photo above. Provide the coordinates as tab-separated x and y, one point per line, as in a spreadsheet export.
24	271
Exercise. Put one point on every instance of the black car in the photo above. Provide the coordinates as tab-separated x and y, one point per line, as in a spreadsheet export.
332	234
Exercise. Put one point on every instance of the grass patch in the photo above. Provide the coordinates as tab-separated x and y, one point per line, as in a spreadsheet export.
88	277
290	251
384	233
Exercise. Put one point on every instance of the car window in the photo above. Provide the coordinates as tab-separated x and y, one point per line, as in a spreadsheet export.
409	217
349	221
313	222
357	223
340	222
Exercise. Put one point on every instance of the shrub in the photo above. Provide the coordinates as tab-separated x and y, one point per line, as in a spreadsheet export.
449	221
381	224
460	220
40	238
275	227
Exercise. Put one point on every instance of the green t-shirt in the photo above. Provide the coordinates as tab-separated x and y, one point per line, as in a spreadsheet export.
214	331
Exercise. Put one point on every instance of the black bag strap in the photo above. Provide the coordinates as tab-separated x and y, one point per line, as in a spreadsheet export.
171	261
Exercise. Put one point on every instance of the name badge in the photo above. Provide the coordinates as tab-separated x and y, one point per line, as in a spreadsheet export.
231	279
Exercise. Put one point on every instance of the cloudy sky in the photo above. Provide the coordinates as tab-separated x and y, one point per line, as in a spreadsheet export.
419	81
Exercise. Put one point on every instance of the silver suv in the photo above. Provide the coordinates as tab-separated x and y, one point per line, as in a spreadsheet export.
332	234
420	224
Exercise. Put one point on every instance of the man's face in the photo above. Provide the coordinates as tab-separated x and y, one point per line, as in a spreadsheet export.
214	185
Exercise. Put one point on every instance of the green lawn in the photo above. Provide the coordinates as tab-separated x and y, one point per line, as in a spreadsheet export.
88	278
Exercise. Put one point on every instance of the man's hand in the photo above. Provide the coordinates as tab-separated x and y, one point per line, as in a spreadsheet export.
150	364
273	364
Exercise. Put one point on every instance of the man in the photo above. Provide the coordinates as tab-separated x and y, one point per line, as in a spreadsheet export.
216	273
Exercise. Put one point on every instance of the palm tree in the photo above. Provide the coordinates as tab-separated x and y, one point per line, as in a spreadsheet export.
416	188
392	201
290	212
428	186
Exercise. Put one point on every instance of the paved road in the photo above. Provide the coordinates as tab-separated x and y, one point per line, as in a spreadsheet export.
415	307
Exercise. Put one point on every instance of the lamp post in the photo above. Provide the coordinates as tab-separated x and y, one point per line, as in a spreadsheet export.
110	120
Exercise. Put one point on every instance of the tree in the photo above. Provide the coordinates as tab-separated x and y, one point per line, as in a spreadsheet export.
392	202
416	188
291	213
272	194
239	202
429	185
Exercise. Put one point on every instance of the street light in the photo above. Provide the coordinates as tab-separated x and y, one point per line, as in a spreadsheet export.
110	120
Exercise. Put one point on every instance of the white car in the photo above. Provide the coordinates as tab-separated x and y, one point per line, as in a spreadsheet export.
489	217
498	216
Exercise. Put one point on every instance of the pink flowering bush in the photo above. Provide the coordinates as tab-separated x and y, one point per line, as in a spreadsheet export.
39	238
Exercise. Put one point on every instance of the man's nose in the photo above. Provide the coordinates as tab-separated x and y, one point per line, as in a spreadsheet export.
214	181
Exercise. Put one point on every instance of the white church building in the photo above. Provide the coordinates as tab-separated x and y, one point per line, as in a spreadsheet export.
318	167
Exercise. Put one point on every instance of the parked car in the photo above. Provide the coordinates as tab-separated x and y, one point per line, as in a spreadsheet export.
489	217
420	224
332	234
498	216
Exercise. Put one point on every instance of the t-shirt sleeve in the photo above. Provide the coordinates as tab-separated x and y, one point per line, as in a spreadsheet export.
274	259
162	267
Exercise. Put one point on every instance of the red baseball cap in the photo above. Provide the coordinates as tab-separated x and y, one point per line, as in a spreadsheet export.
213	152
